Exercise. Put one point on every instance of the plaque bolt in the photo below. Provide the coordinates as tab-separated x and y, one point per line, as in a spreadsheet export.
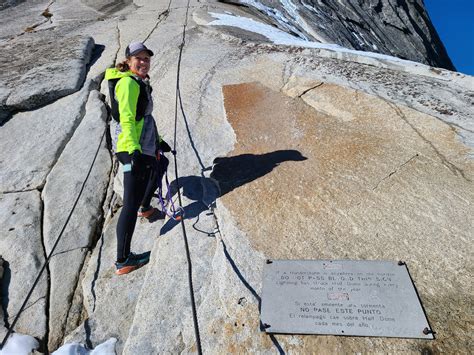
266	326
269	261
427	331
400	263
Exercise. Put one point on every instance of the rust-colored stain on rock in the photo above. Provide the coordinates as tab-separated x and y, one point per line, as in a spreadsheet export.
296	172
309	152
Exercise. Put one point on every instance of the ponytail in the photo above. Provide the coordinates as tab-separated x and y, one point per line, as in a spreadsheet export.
123	66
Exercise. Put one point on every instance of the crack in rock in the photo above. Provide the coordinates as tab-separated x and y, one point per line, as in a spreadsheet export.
44	343
453	168
308	90
161	17
395	171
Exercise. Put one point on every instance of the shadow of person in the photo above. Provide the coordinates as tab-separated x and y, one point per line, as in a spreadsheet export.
227	174
233	172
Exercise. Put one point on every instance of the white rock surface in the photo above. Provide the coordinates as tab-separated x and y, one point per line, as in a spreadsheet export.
110	299
21	247
59	194
43	68
43	134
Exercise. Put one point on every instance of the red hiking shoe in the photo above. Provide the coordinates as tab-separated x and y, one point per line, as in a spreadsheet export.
132	263
147	212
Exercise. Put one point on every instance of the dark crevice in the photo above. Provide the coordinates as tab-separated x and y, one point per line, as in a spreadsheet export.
329	4
97	270
100	232
405	30
6	279
107	200
378	8
44	342
87	329
308	90
46	13
354	22
95	55
19	191
233	2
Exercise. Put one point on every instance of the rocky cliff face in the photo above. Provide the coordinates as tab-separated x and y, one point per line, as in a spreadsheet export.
289	149
395	27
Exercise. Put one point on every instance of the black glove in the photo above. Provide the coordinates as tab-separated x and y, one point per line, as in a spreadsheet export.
164	147
135	162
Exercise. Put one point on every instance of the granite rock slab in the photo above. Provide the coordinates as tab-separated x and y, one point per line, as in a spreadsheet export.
43	68
31	142
21	247
109	299
60	192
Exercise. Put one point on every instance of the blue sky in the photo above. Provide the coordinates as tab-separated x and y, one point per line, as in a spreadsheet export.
454	22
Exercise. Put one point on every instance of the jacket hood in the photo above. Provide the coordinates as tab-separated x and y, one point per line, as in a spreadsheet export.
114	73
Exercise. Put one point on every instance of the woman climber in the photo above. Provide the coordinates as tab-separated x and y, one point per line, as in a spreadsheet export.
137	146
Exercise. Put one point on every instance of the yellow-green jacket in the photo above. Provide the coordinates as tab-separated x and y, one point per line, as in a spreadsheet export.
137	126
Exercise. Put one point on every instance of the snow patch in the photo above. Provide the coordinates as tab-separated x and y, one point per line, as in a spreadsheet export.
279	37
19	344
106	348
277	16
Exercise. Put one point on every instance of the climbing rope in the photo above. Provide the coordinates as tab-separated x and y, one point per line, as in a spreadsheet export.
22	308
185	238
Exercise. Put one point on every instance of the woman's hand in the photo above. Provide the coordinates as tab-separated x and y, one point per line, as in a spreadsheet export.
164	147
135	162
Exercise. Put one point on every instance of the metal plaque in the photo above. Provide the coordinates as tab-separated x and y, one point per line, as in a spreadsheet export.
342	297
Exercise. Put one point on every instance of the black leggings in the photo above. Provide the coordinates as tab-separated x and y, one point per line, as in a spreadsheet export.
138	189
134	188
